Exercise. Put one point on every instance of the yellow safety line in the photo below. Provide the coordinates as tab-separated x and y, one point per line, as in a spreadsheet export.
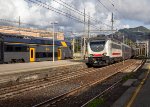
137	91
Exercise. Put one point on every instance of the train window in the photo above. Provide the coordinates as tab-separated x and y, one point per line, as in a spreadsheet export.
44	55
8	48
14	48
50	54
37	55
31	53
115	46
17	49
97	45
56	54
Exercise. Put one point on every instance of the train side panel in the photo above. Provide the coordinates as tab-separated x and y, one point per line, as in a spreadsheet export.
126	50
45	53
115	51
16	53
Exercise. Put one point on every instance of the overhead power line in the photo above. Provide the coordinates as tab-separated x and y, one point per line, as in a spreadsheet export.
104	6
69	7
17	22
45	5
115	8
79	12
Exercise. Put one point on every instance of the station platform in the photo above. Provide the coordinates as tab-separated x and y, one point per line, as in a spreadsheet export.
142	92
20	72
138	94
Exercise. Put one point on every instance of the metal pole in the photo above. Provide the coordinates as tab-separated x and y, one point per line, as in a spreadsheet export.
89	26
53	43
147	48
112	27
123	50
84	45
73	45
19	25
112	20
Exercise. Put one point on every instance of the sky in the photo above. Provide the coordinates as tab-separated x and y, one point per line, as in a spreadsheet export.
127	13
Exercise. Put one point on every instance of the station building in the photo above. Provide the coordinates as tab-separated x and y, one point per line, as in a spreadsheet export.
31	32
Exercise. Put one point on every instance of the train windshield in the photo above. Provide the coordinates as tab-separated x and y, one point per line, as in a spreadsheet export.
97	46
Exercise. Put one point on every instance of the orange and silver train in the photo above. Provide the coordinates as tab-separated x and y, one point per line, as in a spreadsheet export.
30	49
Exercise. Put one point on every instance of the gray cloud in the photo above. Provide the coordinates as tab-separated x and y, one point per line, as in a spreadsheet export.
134	10
127	10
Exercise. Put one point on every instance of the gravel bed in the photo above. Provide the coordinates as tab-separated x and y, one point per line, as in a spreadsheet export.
85	95
33	97
42	82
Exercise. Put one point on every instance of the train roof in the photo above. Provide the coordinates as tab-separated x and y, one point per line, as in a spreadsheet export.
30	40
126	45
98	38
105	39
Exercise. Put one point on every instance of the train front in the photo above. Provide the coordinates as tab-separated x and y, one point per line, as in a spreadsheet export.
97	52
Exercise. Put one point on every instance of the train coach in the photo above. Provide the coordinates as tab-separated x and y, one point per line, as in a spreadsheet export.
107	51
31	49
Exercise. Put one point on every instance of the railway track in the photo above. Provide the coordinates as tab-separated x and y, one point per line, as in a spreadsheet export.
78	78
111	87
12	91
57	99
37	84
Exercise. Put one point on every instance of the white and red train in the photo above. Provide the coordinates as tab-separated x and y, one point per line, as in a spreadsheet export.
107	51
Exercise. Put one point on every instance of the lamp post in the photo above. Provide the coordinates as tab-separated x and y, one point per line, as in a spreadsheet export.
54	40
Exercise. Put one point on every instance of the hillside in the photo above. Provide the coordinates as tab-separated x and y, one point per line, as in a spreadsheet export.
137	33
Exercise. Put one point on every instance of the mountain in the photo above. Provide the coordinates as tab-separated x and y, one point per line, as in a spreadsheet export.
137	33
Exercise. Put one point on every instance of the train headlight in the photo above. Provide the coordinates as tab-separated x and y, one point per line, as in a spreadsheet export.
104	54
91	55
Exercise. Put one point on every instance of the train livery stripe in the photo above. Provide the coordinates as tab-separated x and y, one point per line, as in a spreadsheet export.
97	54
64	44
116	53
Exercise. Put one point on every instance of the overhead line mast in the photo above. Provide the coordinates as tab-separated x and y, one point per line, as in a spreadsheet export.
79	12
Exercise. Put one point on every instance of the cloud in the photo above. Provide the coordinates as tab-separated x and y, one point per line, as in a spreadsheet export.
126	26
33	14
134	10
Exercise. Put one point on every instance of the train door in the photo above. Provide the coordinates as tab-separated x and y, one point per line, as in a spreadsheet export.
32	54
59	54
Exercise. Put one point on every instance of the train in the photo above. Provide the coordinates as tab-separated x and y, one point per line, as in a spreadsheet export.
105	51
15	48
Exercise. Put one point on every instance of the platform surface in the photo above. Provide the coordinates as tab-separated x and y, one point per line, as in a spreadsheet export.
143	97
6	69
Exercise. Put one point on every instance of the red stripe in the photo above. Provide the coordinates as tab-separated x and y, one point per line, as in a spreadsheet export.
116	53
97	54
